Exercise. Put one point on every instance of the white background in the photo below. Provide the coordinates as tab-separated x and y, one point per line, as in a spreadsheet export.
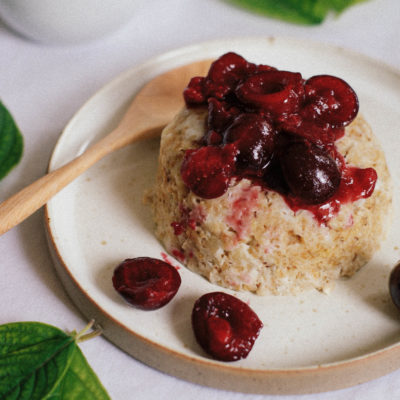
43	86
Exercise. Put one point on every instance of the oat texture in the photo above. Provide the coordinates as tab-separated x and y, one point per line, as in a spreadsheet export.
249	239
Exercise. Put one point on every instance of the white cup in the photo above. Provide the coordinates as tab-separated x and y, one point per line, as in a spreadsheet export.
66	21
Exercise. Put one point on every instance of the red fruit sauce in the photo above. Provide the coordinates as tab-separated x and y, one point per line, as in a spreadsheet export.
257	114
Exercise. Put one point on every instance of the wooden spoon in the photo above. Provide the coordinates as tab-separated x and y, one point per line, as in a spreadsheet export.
152	108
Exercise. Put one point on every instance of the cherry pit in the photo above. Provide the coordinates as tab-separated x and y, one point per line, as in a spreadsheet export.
278	130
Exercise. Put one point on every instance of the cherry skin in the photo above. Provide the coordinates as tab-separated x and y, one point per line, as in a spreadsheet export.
255	108
194	92
254	137
330	100
225	73
224	326
310	172
278	92
146	283
207	171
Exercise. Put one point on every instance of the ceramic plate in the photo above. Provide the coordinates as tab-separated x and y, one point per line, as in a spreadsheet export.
312	342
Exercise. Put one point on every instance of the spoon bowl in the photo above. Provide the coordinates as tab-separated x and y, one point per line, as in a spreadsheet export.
151	109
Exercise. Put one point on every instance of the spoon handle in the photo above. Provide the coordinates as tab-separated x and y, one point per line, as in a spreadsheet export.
24	203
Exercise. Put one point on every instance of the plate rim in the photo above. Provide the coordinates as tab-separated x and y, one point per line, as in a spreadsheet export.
388	353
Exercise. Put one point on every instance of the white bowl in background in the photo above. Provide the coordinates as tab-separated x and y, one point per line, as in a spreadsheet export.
66	22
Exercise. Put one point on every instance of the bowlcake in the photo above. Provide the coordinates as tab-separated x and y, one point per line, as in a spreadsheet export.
256	236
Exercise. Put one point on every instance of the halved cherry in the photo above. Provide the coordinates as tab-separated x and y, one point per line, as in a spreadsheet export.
146	283
224	326
206	171
331	100
278	92
225	73
229	68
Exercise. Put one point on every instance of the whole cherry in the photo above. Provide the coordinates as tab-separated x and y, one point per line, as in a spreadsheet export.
310	172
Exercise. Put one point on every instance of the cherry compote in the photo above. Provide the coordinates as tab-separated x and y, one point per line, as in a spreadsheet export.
254	137
277	129
224	326
146	283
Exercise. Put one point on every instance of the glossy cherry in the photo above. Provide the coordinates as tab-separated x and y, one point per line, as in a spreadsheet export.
207	171
220	115
310	172
225	73
330	100
278	92
270	117
254	137
224	326
146	283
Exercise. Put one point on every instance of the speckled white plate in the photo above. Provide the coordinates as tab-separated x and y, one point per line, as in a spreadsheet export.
309	343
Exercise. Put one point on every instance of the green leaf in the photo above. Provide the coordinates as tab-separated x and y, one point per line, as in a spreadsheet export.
39	361
11	142
306	12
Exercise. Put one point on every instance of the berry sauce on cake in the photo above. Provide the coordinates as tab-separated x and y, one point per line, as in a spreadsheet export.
270	182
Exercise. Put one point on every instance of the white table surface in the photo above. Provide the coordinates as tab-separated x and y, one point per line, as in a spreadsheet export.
43	86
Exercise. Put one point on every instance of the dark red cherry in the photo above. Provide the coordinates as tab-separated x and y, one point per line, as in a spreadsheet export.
207	170
394	285
220	114
320	134
146	283
330	100
194	93
264	68
224	326
224	74
229	69
310	172
254	137
278	92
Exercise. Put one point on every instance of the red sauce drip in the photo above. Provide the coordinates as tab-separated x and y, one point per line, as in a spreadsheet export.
356	184
189	219
178	254
178	228
241	210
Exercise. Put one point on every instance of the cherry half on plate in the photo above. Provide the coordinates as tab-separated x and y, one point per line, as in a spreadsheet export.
146	283
224	326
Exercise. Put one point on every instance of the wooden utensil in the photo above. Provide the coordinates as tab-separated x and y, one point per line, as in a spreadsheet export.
152	108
